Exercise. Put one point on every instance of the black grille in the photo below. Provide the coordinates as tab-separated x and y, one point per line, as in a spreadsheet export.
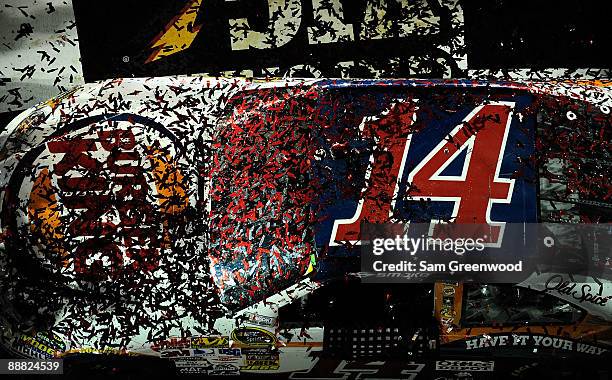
358	342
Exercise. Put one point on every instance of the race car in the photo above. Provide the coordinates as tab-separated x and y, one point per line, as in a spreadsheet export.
220	223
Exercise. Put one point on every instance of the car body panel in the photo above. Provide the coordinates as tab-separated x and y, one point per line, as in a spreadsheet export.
213	203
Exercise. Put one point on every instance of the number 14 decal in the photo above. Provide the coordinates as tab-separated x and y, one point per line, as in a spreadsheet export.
482	135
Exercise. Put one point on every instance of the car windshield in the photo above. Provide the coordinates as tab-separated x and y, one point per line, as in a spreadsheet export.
507	304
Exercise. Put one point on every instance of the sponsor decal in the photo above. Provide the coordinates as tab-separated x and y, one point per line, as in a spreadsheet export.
258	319
230	352
186	352
191	362
224	370
269	361
202	366
448	290
198	342
464	365
593	294
447	309
222	359
105	350
205	361
533	342
43	345
94	200
192	370
171	343
582	293
253	337
256	350
209	341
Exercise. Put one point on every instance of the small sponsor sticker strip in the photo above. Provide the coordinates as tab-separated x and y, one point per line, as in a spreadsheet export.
465	365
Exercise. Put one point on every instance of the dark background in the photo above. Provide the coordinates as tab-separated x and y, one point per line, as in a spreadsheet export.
537	33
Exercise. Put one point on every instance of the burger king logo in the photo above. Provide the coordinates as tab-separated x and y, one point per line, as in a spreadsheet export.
98	197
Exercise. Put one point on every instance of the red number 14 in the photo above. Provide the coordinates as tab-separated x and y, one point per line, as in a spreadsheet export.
482	134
